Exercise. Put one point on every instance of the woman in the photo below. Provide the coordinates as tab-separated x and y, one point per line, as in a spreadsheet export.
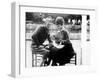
63	55
62	34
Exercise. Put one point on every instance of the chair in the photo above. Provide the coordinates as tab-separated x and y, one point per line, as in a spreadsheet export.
73	60
38	53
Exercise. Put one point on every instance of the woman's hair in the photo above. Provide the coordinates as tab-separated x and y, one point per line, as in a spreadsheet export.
59	21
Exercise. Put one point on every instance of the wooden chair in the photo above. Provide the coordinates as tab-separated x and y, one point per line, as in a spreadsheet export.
73	60
36	53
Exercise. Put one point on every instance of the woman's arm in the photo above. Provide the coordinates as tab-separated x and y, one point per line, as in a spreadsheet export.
65	35
65	39
49	39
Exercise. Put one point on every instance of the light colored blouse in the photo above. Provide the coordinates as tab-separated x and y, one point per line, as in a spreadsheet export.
62	35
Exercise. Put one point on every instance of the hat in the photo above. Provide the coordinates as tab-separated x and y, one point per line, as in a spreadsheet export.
48	19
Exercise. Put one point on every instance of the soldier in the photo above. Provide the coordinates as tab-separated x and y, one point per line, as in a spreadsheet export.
40	35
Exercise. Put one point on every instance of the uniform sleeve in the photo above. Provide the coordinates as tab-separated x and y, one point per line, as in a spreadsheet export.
35	38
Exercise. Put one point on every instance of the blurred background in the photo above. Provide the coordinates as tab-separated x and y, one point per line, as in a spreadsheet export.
72	23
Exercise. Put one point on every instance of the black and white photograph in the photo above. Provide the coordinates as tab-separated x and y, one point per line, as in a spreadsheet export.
54	39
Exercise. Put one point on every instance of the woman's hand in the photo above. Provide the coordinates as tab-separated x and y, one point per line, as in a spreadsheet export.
50	45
